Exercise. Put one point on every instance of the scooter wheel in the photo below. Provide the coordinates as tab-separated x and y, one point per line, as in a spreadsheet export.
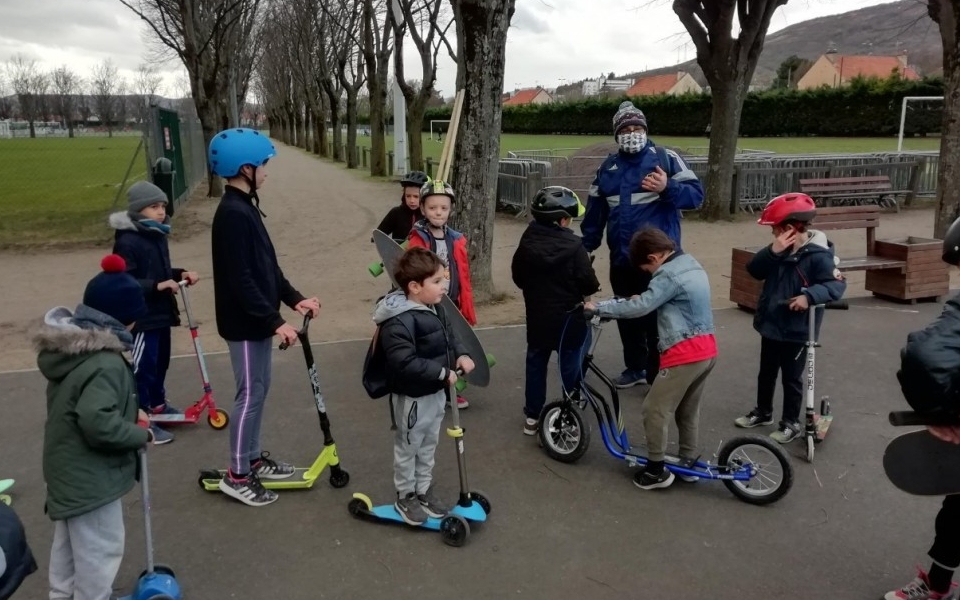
339	478
207	476
454	530
357	507
162	570
564	434
810	451
482	501
219	419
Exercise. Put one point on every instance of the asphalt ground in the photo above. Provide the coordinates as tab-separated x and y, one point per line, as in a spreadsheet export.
556	531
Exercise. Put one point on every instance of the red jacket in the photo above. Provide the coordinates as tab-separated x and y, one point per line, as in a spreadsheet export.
420	237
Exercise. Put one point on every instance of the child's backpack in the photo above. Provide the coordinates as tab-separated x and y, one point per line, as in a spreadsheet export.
930	364
375	369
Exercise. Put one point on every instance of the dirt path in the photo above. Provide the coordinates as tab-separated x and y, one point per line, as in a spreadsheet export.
320	218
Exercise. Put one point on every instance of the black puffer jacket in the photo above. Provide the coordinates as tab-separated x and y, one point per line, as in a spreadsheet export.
18	561
418	343
553	269
147	255
929	372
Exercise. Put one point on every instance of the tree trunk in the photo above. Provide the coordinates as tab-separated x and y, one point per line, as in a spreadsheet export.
948	178
319	133
415	112
376	77
333	98
724	128
302	130
291	129
481	41
352	128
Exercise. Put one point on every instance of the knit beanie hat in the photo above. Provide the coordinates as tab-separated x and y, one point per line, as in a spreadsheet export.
115	293
628	114
142	194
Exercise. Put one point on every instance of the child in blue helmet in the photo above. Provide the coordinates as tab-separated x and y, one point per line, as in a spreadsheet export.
248	289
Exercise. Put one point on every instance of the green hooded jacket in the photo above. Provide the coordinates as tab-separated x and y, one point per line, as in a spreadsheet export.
91	435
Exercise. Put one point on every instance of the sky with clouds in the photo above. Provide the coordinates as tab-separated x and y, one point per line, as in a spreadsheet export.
550	41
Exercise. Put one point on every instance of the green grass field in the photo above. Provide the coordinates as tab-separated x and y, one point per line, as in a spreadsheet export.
60	190
698	145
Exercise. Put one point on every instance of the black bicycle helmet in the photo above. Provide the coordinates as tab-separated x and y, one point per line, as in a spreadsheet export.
951	244
555	202
414	179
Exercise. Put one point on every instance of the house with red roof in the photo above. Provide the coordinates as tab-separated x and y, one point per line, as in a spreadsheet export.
836	70
536	95
680	82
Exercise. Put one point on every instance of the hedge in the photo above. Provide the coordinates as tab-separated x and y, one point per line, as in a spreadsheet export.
864	108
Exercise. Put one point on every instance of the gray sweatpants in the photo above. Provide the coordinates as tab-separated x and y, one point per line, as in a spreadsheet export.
86	554
252	361
415	443
675	390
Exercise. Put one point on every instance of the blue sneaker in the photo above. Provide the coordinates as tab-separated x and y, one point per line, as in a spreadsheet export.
165	409
630	378
160	436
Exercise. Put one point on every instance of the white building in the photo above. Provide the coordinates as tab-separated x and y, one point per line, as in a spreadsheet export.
592	87
5	129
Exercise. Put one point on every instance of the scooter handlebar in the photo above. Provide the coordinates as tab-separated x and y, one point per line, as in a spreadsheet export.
303	330
832	304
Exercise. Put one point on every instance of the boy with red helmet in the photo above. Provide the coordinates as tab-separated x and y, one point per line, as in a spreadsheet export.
798	270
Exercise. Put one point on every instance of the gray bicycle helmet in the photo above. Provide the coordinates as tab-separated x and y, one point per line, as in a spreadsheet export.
414	179
555	202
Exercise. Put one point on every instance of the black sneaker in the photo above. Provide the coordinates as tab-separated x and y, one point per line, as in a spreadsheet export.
433	506
410	509
645	481
786	432
267	468
754	418
247	489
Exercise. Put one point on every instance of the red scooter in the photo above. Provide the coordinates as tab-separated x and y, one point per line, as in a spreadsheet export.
216	417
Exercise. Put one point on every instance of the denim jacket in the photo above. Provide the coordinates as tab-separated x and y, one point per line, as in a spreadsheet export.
680	293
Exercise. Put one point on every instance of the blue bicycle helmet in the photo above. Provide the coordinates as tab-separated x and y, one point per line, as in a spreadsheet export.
232	148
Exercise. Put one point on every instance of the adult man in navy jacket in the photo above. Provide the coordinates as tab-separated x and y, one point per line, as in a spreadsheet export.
640	186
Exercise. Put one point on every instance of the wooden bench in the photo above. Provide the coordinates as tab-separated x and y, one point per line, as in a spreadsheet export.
879	258
875	188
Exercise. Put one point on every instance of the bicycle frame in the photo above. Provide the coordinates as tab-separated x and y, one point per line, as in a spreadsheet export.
609	416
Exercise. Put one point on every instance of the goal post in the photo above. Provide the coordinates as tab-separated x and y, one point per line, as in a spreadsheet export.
903	114
439	130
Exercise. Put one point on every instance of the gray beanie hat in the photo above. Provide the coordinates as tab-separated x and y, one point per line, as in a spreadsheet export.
142	194
628	114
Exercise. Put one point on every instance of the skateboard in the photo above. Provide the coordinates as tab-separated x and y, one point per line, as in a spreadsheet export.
919	463
5	484
390	251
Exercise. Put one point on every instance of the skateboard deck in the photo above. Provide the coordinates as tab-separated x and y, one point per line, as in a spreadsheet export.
922	465
5	484
389	252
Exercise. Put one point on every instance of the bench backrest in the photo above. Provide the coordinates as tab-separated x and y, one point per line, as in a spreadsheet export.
849	217
873	183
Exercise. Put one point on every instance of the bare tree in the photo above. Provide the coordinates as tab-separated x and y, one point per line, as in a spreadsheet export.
427	27
29	84
349	70
376	54
482	45
67	86
146	84
6	104
211	40
728	63
105	87
946	13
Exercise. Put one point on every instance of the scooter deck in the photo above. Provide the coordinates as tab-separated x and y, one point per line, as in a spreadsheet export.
387	512
302	479
923	465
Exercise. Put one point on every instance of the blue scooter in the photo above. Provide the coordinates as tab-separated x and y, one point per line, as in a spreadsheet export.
157	582
454	527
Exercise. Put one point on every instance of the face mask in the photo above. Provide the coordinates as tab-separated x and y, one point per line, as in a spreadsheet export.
631	143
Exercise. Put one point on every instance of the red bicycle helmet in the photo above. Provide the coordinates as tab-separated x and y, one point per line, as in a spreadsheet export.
788	207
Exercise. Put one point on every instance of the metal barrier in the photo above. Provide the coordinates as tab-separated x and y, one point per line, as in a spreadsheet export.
758	175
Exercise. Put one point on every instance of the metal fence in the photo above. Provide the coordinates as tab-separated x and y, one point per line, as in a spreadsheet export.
758	176
177	137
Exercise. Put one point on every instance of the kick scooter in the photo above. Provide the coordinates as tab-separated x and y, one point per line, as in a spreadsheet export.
156	582
454	528
216	417
753	468
816	424
303	479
